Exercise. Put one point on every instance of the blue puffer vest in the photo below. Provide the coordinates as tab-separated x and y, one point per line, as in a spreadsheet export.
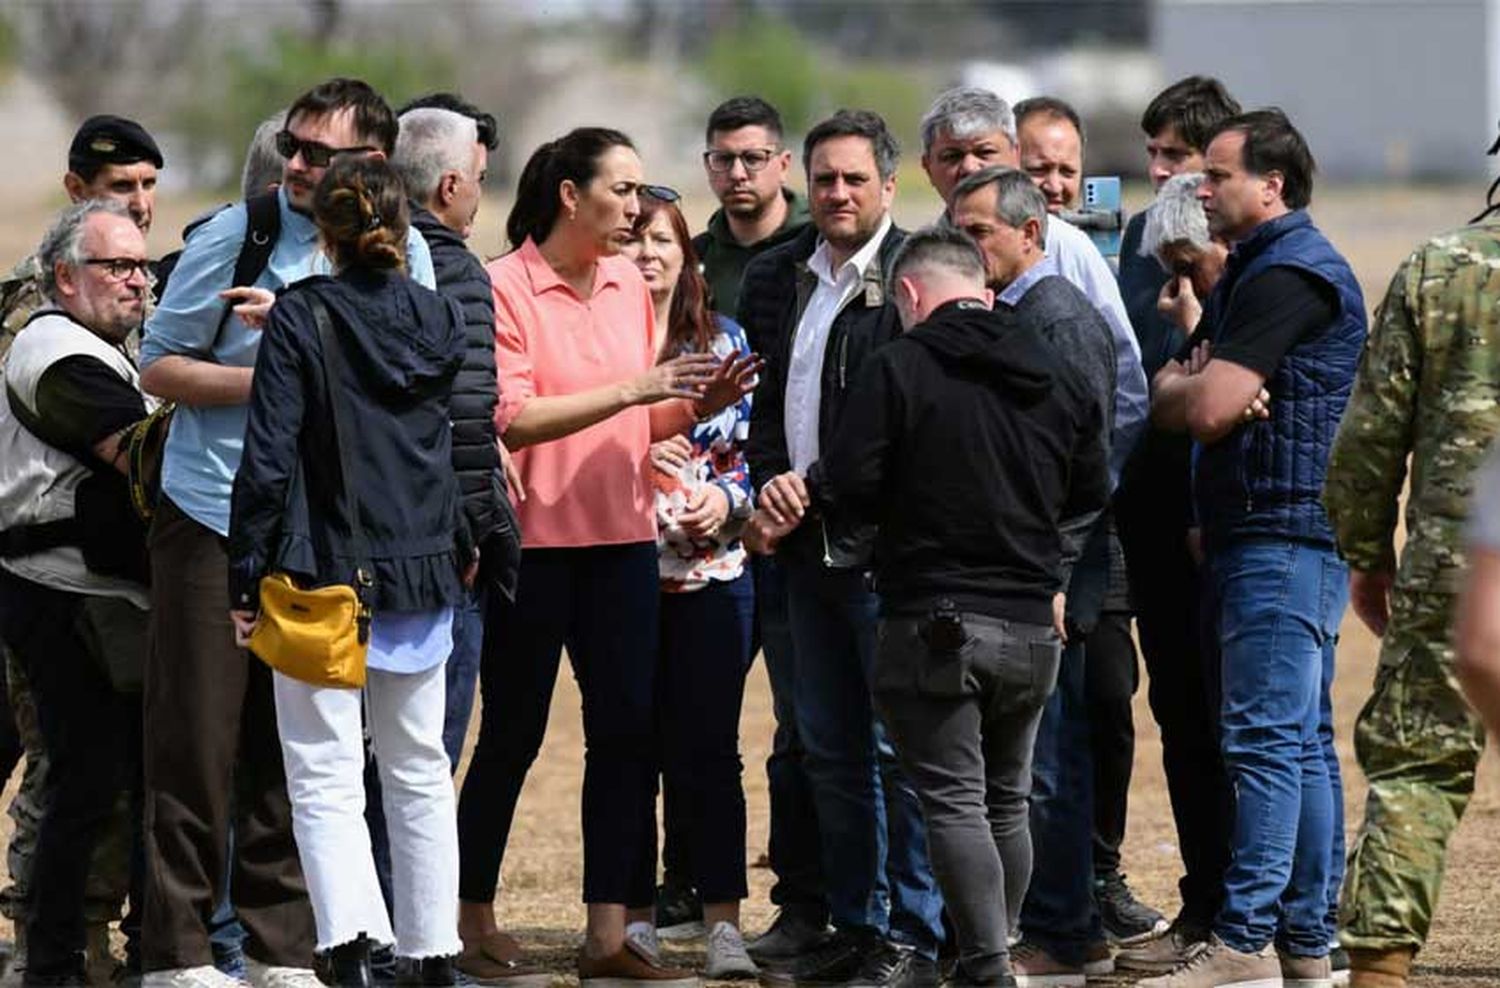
1265	479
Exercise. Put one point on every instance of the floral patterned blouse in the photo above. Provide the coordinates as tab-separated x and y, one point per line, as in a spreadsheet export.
718	458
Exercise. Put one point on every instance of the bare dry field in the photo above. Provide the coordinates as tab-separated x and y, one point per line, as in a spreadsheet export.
540	897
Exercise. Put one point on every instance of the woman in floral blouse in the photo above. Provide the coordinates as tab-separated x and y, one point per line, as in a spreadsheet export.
703	499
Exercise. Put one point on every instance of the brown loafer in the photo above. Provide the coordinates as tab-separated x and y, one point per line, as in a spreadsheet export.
496	960
630	967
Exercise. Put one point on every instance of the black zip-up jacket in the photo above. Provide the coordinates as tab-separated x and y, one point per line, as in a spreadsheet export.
401	345
968	441
492	518
773	296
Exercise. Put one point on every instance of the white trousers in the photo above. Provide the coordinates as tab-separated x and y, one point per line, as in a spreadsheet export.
322	746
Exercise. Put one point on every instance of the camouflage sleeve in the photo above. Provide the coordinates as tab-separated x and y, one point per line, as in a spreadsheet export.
1368	464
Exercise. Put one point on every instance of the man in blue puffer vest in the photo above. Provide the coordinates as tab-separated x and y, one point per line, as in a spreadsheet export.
1261	386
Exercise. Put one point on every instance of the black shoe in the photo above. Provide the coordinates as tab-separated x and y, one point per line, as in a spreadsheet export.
794	933
923	972
679	913
886	965
837	959
71	971
346	965
1127	920
383	964
429	972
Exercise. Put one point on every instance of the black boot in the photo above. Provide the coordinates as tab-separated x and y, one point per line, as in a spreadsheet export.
428	972
346	965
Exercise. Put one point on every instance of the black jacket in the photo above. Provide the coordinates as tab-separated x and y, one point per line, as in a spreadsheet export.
968	441
773	296
492	519
401	347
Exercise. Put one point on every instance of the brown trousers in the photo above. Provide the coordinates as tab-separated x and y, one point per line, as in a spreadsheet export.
212	754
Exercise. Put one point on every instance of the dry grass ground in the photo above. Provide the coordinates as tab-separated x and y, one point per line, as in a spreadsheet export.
542	878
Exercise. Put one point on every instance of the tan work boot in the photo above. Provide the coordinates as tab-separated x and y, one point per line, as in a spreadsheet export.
1379	968
99	961
1218	965
1305	972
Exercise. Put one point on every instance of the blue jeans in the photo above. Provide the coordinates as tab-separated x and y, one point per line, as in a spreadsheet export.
1280	604
1059	913
874	841
463	673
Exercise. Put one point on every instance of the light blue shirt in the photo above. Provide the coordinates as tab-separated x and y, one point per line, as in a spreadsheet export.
203	448
410	641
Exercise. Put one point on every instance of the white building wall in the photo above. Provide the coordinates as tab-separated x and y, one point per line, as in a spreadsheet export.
1381	88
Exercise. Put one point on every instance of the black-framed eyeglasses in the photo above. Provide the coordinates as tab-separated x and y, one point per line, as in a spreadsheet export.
665	193
315	154
121	268
754	159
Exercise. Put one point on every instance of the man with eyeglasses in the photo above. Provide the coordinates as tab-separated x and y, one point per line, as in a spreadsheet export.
747	169
72	560
115	159
211	746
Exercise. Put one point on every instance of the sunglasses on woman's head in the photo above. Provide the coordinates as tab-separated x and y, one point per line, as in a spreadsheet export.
661	192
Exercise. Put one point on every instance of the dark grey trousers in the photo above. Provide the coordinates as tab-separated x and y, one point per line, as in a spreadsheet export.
964	724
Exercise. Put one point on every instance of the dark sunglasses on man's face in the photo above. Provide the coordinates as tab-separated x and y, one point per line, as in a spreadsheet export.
315	155
723	161
662	192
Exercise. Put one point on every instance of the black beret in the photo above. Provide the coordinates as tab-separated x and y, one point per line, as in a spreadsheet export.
109	140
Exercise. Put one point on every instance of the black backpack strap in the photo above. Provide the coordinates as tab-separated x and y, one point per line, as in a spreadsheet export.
333	359
262	227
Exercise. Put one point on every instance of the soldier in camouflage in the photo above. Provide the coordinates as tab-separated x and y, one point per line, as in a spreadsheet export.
109	158
1428	388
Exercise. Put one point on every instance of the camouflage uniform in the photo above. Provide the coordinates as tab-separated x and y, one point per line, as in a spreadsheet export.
109	879
20	296
1429	386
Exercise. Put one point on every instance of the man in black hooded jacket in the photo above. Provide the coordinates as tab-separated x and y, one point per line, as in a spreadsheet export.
967	441
440	154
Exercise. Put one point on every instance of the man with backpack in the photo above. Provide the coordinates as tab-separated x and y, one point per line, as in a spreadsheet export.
210	741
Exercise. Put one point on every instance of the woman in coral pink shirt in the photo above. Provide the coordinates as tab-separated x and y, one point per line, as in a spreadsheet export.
582	397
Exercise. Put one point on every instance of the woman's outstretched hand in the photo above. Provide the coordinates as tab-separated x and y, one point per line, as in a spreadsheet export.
734	378
684	376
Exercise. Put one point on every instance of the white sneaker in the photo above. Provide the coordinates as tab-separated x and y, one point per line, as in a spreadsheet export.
727	959
643	935
275	976
206	976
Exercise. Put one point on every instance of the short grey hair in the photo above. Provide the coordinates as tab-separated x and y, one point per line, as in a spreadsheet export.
431	142
940	246
1176	217
1017	199
965	112
264	164
63	241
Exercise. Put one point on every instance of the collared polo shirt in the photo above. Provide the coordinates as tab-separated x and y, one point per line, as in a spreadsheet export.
591	487
202	453
804	379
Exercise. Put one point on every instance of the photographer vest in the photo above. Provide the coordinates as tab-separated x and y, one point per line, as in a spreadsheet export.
39	482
